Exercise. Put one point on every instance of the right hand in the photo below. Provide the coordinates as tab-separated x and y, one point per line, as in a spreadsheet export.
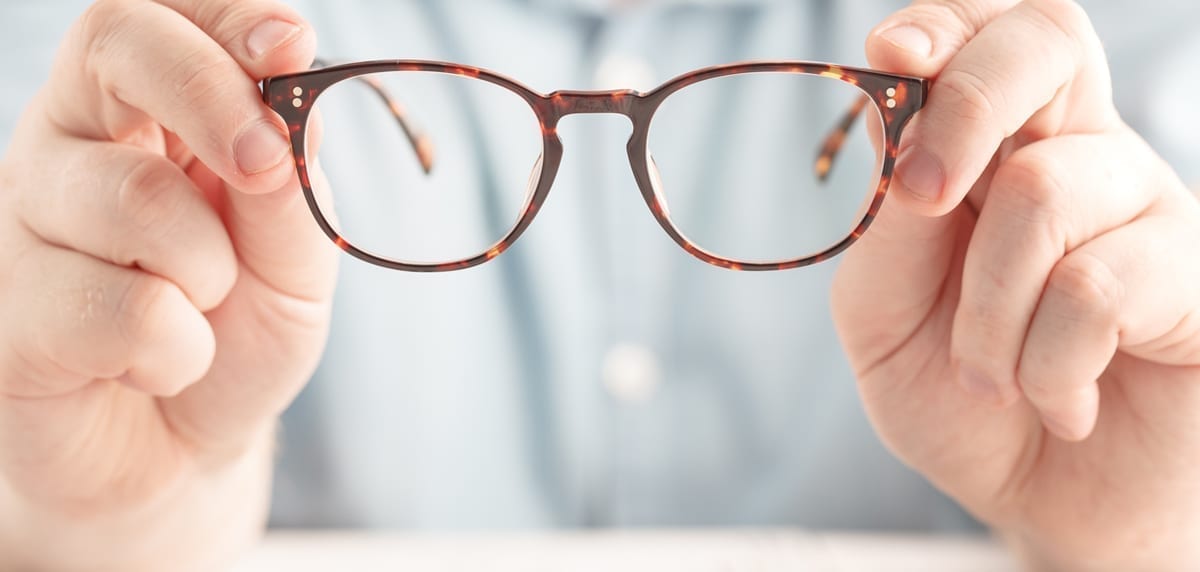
1023	315
164	291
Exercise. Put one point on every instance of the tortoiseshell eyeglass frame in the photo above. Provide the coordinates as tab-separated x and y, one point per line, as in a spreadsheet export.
897	98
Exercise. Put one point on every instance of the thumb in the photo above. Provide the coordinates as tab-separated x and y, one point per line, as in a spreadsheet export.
278	240
272	231
922	40
903	242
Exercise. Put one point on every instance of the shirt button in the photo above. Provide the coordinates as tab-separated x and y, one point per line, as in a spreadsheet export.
617	71
631	373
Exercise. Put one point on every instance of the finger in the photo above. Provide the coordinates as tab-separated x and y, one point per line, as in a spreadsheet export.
274	235
133	208
129	64
1044	201
989	91
1071	340
266	37
1121	289
903	242
71	318
922	38
275	318
278	240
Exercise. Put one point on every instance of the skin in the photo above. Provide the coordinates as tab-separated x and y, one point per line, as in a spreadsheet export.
162	301
165	296
1039	359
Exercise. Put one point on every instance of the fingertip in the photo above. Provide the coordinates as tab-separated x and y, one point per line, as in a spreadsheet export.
280	45
1072	432
198	348
1075	415
901	47
181	348
221	277
269	35
275	39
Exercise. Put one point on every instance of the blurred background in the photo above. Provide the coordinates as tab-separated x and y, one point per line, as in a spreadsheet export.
596	374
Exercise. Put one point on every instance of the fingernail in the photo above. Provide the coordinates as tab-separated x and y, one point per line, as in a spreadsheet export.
259	148
921	173
269	35
979	385
910	39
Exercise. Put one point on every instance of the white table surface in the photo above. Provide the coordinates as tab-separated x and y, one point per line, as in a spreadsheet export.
637	550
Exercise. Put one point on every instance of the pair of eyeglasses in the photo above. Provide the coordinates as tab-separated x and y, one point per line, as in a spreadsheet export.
431	166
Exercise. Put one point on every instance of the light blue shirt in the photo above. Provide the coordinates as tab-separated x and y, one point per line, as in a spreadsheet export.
493	397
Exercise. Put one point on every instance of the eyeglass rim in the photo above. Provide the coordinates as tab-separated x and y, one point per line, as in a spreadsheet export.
897	98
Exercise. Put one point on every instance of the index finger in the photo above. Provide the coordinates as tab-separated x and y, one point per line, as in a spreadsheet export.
1038	68
130	64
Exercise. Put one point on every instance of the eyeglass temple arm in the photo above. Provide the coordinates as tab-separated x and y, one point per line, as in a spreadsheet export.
837	138
421	144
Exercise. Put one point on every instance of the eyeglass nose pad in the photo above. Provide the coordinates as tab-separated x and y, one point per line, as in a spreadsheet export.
322	192
535	177
656	184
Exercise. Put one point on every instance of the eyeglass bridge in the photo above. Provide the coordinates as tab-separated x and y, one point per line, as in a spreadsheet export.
573	102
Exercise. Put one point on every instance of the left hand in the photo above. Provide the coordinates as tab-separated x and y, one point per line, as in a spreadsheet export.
1024	315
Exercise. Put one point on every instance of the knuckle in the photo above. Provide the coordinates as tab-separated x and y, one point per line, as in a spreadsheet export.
99	26
1066	16
952	24
202	77
1032	185
148	200
99	18
231	23
1069	21
1083	284
972	15
960	20
227	21
971	97
213	15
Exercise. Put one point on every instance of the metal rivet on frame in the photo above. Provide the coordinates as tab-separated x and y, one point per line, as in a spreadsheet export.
297	102
891	102
298	91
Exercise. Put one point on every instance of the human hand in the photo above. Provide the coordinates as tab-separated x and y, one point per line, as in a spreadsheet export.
1022	316
164	292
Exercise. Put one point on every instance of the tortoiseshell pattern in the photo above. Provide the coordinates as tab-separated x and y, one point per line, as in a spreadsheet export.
897	97
836	138
417	139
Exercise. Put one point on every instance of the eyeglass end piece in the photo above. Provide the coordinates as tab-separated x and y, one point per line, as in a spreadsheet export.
425	153
823	166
